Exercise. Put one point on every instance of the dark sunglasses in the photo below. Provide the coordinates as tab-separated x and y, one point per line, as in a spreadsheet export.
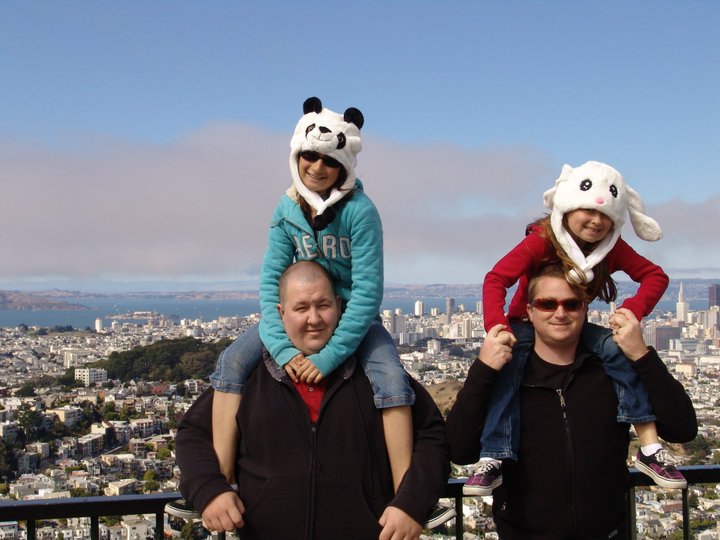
550	304
312	157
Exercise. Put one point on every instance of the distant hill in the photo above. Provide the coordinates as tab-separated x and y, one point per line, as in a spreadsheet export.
444	394
694	289
168	360
15	300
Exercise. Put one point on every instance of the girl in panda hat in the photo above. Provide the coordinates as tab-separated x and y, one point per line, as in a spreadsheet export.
324	216
588	206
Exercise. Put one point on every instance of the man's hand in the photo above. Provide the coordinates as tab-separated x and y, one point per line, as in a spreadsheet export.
628	334
295	366
397	525
224	512
309	373
496	350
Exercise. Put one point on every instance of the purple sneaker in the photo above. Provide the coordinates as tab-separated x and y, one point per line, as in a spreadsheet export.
661	468
487	477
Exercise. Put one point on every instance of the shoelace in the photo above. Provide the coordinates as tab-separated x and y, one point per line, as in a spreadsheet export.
665	457
485	467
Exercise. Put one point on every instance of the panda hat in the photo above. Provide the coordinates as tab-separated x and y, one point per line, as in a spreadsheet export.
596	186
332	134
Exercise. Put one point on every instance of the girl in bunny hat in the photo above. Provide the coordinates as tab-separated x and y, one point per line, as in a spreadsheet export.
588	206
324	216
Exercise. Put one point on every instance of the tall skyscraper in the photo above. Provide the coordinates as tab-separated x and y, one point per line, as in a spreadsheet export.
479	307
659	336
682	308
714	295
419	308
449	309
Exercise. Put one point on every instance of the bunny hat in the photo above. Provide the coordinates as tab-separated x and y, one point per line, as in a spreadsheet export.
596	186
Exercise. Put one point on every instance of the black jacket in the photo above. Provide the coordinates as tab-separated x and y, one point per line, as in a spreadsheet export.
326	480
571	477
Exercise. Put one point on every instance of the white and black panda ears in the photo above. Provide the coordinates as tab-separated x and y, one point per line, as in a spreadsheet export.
354	116
312	104
351	116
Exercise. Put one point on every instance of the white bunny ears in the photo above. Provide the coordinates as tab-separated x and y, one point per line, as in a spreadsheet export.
596	186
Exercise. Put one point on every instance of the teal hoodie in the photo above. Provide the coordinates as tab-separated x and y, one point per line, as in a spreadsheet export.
351	250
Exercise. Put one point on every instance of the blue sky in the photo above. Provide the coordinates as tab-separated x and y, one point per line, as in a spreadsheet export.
148	141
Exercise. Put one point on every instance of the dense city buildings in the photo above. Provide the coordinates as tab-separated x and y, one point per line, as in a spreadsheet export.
129	450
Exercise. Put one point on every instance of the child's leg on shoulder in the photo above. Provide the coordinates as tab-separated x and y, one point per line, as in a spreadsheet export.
231	372
392	394
633	401
499	439
647	434
224	428
633	406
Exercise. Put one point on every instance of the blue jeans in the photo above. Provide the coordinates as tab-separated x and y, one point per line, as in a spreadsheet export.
500	438
377	354
379	358
238	361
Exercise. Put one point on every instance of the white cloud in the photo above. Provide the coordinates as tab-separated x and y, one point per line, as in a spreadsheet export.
200	208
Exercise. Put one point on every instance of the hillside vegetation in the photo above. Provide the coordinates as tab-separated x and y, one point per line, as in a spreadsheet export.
170	360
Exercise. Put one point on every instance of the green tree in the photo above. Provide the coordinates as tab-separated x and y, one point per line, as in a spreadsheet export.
79	492
164	453
699	448
26	390
170	360
31	422
151	486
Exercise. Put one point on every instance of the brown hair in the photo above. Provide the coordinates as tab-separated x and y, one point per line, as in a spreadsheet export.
554	271
342	177
602	285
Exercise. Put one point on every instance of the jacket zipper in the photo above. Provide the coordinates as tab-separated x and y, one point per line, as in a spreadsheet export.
571	460
315	464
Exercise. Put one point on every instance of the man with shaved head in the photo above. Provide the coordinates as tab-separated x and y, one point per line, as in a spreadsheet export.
311	460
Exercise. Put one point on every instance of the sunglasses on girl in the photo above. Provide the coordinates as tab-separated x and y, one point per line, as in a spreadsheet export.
312	157
550	304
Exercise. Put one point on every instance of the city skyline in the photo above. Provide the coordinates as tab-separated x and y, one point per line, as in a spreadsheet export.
142	151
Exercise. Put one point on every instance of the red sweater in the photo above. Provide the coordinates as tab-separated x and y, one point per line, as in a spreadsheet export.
526	259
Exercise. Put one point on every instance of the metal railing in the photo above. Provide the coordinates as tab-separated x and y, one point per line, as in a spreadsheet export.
95	507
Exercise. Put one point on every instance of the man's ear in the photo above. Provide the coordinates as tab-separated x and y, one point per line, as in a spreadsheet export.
528	308
280	310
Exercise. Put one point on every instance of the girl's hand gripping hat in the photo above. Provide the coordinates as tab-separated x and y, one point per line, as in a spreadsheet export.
324	131
596	186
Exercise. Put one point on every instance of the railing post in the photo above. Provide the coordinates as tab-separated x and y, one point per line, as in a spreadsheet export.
94	528
631	523
686	514
459	525
30	528
159	525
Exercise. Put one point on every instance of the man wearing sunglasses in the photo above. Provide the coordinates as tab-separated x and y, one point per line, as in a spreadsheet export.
571	475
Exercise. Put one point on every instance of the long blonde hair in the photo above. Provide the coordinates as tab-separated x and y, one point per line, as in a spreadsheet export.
602	285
